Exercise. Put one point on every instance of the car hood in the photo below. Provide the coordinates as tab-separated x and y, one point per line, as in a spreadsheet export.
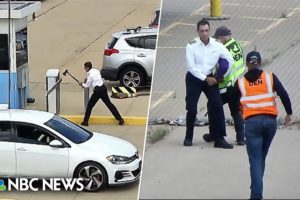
109	145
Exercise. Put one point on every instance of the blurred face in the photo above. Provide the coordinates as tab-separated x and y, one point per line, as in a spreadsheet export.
222	39
203	32
86	68
252	66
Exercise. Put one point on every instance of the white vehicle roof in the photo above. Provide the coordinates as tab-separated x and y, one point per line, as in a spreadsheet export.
29	116
141	31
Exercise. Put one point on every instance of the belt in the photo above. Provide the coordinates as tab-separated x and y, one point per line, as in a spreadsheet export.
98	86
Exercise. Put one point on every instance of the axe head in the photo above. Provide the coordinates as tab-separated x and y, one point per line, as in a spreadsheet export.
65	72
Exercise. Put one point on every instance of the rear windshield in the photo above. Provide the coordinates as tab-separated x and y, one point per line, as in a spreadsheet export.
68	129
112	43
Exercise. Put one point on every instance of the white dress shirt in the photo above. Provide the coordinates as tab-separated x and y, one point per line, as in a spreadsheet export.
93	79
202	59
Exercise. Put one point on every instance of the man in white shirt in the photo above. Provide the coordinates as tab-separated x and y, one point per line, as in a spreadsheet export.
95	81
202	55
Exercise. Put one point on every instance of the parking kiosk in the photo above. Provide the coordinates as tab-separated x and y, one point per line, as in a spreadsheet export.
17	62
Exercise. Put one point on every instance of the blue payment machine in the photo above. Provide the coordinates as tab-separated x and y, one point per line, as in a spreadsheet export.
15	67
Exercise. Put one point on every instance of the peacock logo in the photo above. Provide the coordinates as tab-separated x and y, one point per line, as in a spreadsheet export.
2	186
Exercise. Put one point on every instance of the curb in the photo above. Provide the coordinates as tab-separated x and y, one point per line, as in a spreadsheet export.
107	120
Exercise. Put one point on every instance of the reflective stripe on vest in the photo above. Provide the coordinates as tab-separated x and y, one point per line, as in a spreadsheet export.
238	68
257	97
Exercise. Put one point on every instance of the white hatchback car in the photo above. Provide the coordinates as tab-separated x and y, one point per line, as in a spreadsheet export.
43	145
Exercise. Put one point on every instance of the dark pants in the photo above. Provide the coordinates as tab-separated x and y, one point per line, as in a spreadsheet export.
100	93
237	117
260	131
194	87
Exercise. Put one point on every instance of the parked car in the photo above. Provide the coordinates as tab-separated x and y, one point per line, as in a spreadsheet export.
43	145
129	57
155	23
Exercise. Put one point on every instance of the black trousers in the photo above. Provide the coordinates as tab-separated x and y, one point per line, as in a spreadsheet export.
194	88
237	117
100	92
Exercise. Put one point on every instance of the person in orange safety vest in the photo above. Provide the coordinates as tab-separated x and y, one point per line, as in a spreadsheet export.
255	95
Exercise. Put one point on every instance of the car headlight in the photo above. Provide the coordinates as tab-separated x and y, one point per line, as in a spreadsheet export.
119	160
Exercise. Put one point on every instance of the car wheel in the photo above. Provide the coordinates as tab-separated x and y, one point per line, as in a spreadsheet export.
94	176
132	77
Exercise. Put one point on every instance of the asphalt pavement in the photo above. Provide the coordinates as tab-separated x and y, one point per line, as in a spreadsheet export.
172	171
271	27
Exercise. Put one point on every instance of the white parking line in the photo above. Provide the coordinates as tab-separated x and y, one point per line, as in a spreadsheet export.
169	28
166	35
260	18
6	199
271	26
200	9
179	22
246	5
187	24
162	99
279	21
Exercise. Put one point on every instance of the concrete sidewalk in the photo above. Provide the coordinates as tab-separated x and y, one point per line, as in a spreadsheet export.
72	101
204	172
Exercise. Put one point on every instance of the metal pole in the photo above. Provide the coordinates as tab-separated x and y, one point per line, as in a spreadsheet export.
215	8
86	97
216	11
9	55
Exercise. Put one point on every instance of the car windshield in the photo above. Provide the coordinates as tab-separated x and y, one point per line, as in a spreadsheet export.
68	129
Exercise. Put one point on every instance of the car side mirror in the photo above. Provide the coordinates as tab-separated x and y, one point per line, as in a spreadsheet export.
56	143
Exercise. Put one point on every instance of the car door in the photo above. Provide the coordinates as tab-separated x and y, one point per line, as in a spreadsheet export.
145	52
34	156
7	150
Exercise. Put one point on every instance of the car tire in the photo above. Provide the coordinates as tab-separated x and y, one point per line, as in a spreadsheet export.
132	77
94	176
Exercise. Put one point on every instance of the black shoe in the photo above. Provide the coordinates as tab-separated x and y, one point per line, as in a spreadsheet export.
223	144
84	124
208	138
240	143
187	143
121	122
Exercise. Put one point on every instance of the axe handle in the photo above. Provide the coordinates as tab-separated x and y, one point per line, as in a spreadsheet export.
74	77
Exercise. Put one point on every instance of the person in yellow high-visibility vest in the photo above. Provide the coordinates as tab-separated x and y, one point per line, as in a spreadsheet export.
223	34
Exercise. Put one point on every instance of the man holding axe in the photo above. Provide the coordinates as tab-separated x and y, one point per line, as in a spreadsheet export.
99	92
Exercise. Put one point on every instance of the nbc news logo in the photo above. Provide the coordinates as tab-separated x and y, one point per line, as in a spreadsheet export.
52	184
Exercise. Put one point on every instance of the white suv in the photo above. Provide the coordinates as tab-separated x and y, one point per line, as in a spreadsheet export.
129	57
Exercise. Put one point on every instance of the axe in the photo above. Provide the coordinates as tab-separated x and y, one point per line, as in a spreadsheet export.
67	72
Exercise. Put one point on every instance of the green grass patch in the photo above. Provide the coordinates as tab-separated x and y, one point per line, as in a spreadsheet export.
157	134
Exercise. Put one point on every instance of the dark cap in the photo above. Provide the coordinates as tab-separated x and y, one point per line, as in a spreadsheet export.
253	57
222	31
